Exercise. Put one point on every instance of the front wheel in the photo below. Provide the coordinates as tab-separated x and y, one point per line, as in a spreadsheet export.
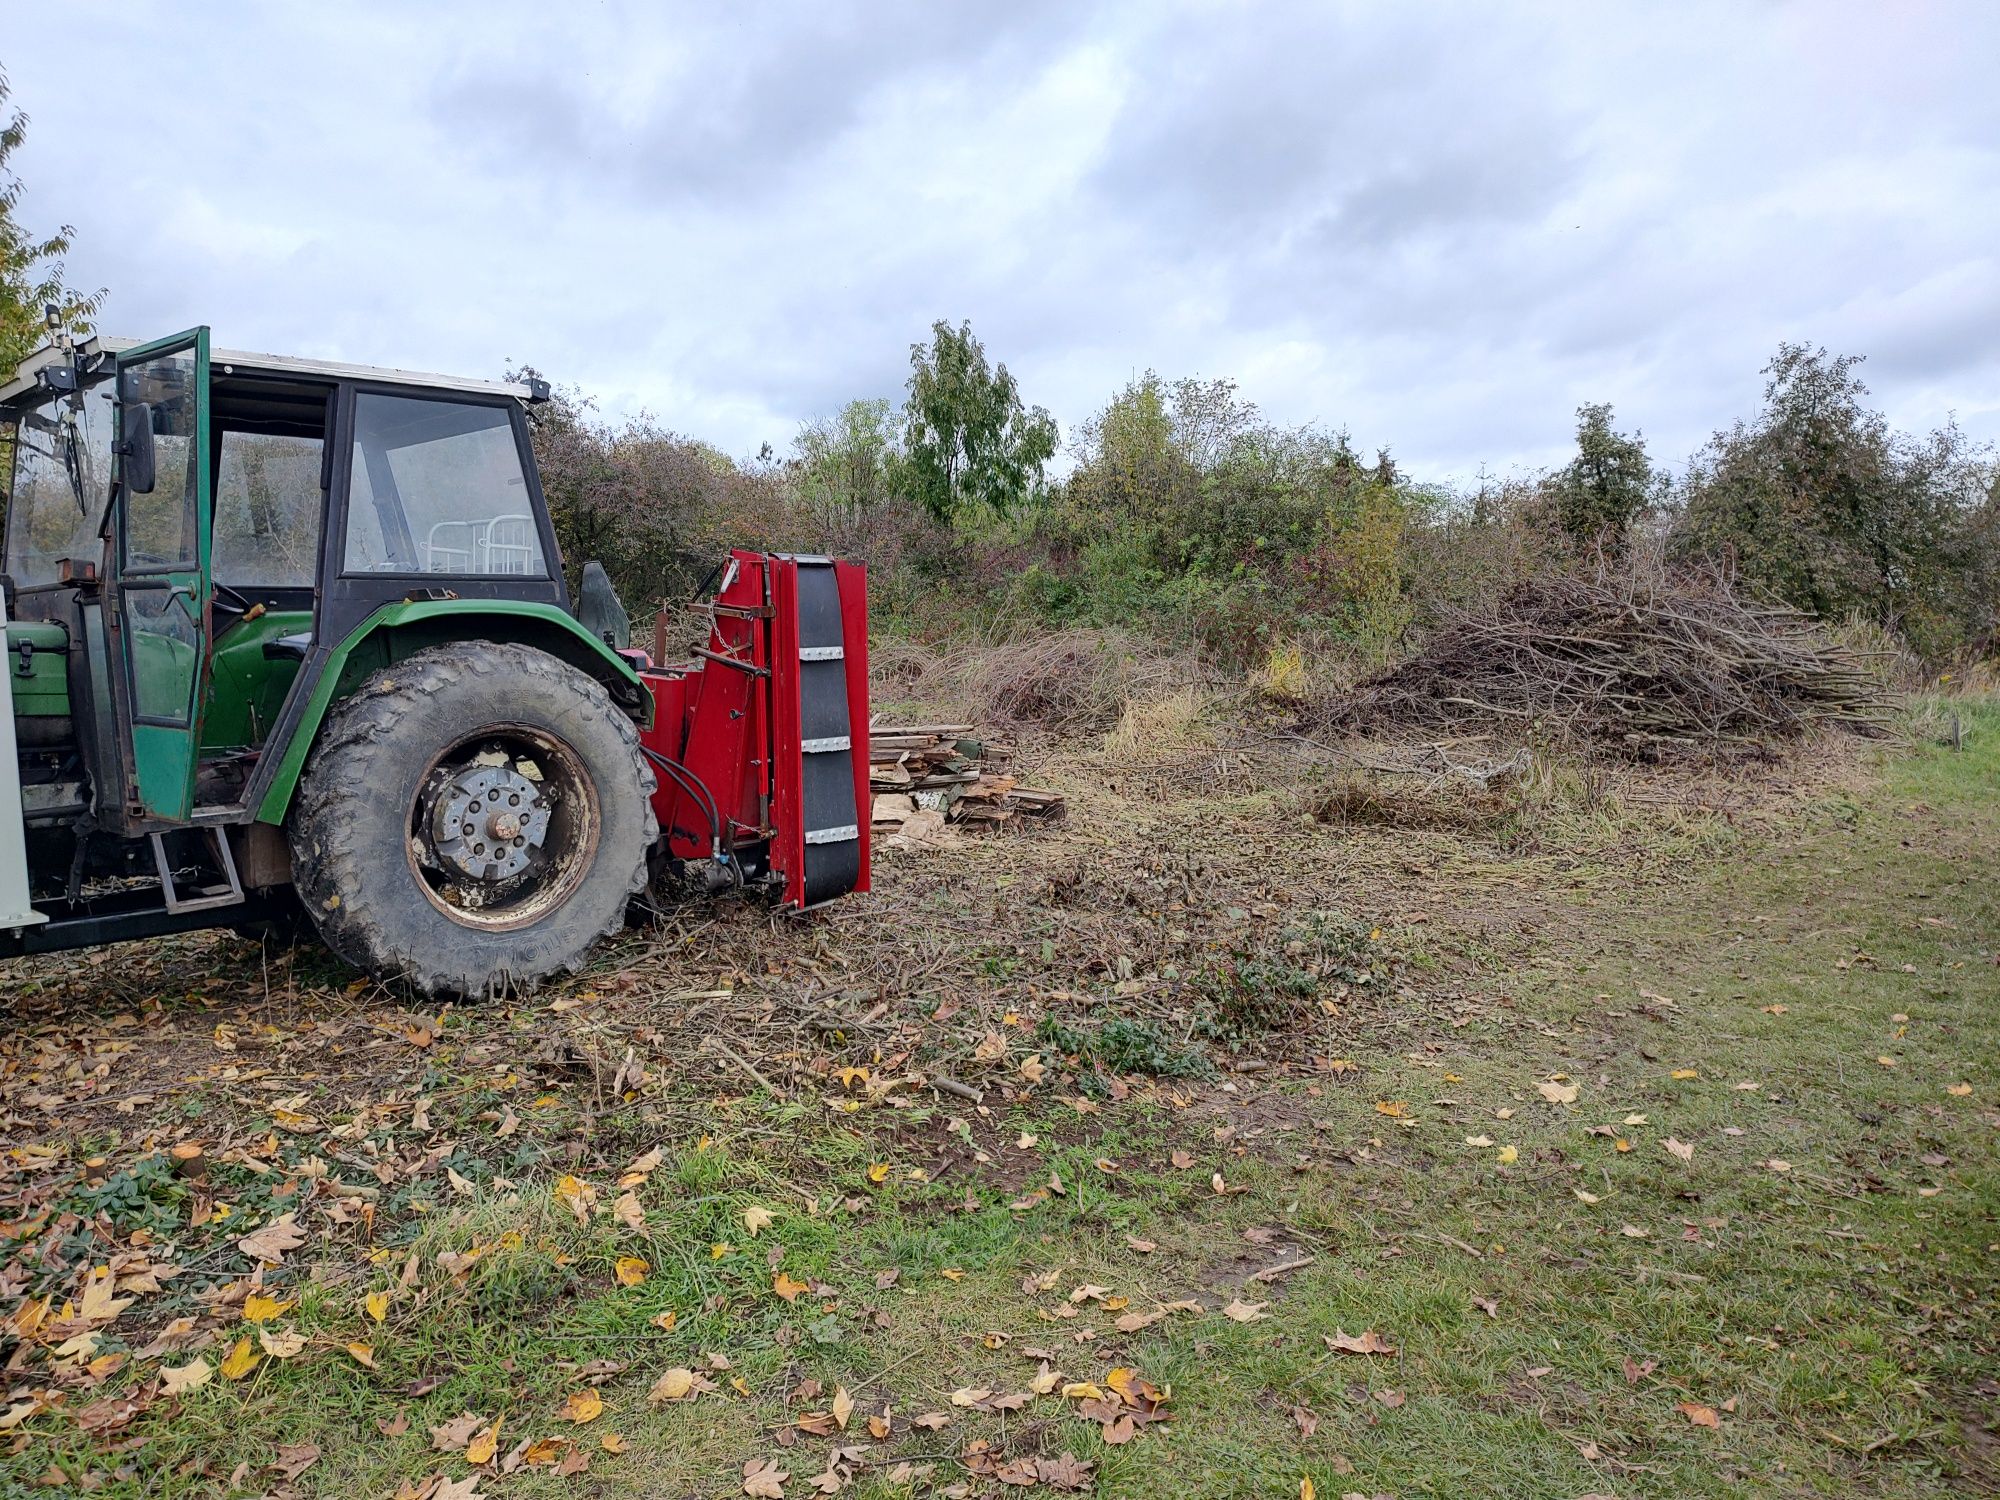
473	820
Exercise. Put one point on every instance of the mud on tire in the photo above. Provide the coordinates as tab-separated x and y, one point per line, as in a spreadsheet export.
360	824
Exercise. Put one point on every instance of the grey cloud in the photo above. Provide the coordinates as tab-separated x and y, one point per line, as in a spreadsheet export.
753	101
1441	226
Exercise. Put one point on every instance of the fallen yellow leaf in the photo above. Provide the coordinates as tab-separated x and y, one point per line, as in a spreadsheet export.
1697	1414
241	1359
674	1385
189	1377
631	1269
258	1308
483	1445
786	1287
377	1304
583	1406
1508	1155
756	1220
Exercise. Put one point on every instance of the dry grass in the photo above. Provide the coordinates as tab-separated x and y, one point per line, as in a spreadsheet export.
1069	682
1148	728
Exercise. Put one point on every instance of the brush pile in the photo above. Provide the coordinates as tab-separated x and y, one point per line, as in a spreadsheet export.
1642	661
925	776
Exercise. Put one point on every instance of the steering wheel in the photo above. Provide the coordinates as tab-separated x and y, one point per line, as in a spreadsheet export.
237	603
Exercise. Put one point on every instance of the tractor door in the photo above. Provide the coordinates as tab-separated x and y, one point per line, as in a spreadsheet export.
160	564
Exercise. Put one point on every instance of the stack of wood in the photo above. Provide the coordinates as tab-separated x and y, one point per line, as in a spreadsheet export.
945	771
1641	660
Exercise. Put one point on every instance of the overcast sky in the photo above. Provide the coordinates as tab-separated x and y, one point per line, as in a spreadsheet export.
1442	226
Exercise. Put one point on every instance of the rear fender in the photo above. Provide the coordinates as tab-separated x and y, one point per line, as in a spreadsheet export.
397	631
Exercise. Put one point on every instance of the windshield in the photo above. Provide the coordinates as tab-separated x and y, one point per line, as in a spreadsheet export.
438	487
57	483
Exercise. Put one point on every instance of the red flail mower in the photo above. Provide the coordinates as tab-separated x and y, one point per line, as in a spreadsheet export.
761	742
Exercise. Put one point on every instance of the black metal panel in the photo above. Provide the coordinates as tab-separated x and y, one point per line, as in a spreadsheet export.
826	792
831	870
822	699
122	919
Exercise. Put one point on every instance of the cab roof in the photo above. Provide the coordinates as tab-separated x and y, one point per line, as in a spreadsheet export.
295	367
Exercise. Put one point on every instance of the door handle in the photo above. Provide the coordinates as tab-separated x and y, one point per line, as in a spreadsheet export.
182	591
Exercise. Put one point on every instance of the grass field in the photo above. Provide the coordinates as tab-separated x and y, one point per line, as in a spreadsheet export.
1648	1143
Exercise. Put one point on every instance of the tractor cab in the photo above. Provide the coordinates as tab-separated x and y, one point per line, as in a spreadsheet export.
204	549
216	514
288	645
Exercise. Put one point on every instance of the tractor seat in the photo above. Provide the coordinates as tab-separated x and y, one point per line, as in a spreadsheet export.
288	647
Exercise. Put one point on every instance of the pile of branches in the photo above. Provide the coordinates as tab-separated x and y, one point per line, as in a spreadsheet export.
1641	660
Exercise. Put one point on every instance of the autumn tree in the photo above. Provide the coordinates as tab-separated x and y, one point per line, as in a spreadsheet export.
31	267
1819	501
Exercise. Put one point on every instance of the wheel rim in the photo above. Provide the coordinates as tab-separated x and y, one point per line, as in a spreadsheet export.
503	827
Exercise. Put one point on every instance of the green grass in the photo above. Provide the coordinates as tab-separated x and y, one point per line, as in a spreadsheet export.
1837	1315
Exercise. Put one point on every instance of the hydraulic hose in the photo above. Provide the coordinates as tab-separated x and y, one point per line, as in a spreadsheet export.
704	801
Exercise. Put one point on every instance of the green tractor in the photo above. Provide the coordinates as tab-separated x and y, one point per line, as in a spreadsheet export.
288	641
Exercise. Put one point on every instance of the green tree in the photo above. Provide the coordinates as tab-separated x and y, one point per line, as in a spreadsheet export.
31	267
1599	493
848	465
968	441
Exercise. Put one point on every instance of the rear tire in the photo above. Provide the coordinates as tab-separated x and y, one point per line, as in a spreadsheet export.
408	779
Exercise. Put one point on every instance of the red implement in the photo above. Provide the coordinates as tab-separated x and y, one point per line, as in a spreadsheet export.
762	741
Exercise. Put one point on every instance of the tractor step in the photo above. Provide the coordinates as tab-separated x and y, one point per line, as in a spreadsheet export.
228	893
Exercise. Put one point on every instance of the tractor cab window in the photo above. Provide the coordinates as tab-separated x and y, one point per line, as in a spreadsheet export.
267	510
438	487
57	482
162	531
270	442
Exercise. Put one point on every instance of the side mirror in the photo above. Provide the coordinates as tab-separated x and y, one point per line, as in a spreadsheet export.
135	446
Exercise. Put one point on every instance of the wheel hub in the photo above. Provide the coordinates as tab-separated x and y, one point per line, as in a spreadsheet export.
488	822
